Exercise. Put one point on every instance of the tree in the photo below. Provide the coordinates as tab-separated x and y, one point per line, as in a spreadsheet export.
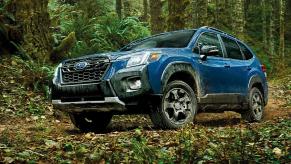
272	29
200	13
33	21
145	16
288	20
238	21
157	20
264	23
127	7
118	7
282	28
177	14
220	13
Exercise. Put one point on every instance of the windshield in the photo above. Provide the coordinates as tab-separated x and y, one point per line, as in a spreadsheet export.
177	39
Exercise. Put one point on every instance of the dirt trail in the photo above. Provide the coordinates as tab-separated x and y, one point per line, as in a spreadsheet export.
275	108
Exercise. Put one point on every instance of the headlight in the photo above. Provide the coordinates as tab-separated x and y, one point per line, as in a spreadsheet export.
56	72
140	58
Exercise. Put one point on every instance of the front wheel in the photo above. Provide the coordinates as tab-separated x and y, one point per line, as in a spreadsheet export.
256	106
91	121
177	108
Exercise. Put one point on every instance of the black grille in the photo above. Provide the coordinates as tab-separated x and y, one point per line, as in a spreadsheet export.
93	72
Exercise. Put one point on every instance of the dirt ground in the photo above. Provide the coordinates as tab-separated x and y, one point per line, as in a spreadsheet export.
124	123
47	133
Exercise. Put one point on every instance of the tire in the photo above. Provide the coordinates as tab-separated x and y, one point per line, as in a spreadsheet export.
91	121
255	107
177	107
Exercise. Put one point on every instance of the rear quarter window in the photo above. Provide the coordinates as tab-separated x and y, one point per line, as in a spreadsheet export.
232	49
247	53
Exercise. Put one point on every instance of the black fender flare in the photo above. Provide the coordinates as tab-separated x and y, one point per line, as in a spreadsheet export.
184	67
256	79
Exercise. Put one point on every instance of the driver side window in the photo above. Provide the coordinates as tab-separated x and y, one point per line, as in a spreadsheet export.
208	39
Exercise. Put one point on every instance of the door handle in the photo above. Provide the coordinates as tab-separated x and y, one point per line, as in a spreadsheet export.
226	66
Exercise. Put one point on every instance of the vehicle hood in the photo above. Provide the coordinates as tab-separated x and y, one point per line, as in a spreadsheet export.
114	55
111	55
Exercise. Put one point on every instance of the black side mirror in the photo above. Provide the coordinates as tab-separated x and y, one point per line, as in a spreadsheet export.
208	50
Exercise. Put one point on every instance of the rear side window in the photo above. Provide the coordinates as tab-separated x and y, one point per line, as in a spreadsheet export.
232	49
246	51
209	39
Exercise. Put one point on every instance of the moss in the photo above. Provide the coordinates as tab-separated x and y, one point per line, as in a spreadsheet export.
63	49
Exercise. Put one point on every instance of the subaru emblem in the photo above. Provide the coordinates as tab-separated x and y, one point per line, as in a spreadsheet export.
80	66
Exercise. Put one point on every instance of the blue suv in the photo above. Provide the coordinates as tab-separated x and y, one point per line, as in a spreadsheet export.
170	76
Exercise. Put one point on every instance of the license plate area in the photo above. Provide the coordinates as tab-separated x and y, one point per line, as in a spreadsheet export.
74	93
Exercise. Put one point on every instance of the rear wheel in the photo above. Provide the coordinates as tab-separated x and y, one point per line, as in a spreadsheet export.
177	108
91	121
256	106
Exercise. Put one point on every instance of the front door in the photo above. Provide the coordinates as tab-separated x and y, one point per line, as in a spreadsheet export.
214	71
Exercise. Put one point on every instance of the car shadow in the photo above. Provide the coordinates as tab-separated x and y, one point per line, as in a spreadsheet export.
130	123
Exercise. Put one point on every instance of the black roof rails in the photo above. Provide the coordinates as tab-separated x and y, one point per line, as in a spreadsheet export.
215	29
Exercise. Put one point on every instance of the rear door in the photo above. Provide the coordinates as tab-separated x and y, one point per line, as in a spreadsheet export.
238	66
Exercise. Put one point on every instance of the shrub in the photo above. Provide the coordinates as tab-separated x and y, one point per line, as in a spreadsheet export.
99	32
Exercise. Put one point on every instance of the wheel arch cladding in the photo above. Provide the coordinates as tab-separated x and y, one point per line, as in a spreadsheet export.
183	72
257	82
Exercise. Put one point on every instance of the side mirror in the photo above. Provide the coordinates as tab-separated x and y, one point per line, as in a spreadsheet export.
208	50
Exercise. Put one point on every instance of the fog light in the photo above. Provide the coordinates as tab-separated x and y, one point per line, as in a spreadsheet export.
134	83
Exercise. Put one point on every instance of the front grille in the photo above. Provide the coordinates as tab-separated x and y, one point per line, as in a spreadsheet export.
93	71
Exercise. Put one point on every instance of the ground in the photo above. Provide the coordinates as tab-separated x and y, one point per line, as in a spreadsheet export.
36	135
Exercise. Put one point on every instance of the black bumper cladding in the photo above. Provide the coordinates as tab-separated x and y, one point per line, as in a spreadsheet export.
109	104
99	97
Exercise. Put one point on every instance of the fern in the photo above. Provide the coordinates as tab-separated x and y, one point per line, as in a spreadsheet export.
97	28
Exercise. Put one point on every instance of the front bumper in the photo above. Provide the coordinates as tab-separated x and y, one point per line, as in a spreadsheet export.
120	85
109	104
110	94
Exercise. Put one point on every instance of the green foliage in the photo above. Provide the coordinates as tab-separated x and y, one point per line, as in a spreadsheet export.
3	4
36	73
108	34
96	30
28	86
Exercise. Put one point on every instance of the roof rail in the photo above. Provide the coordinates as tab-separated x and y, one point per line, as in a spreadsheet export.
215	29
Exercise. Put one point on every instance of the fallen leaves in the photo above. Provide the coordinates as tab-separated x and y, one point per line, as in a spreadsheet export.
277	152
2	128
51	144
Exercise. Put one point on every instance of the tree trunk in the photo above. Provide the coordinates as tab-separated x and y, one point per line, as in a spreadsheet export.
127	7
145	16
272	30
118	7
264	23
228	13
288	21
177	14
33	20
220	13
282	29
238	23
157	20
201	13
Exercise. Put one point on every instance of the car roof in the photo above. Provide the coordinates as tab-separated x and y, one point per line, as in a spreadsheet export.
212	29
